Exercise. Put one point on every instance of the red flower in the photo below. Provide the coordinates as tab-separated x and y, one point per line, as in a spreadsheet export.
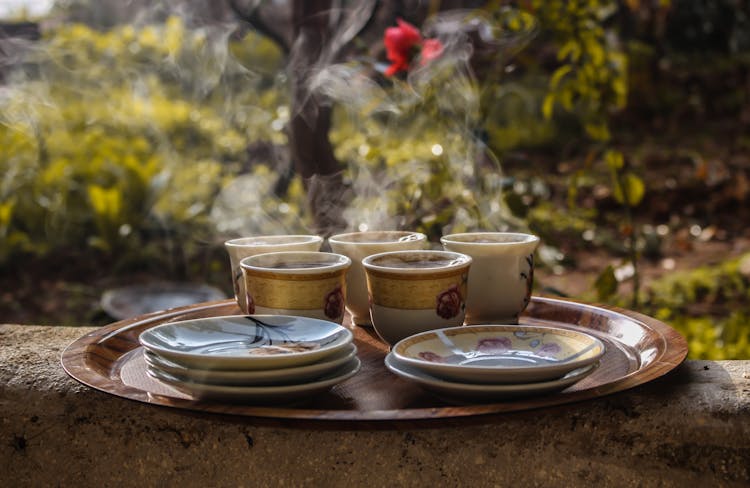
402	43
431	49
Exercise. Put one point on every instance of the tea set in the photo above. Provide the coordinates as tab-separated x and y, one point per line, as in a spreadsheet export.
449	317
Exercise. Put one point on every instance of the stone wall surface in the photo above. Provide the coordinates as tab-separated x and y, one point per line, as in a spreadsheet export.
690	427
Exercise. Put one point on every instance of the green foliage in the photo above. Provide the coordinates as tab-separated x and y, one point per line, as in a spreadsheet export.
715	338
606	284
118	135
696	302
591	79
422	144
554	224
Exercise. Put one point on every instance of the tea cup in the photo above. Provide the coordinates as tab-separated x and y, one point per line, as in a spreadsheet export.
502	276
243	247
416	291
359	245
302	283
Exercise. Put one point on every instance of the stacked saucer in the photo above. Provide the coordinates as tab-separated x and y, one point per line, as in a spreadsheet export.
496	361
251	358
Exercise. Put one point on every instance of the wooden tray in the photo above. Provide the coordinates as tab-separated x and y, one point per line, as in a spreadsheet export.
639	349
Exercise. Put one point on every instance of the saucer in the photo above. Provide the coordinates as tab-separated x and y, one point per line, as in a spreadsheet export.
279	376
496	354
130	301
261	394
248	342
473	391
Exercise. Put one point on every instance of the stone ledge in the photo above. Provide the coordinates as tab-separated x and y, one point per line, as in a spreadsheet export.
692	426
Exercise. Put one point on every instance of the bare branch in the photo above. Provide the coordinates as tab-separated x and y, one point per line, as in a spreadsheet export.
253	17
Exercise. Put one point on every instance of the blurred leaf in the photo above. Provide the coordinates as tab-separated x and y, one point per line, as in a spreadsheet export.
6	211
595	51
614	160
558	75
598	131
570	49
106	202
629	190
606	284
548	106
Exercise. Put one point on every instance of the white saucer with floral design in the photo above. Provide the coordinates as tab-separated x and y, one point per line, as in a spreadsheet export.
495	354
474	391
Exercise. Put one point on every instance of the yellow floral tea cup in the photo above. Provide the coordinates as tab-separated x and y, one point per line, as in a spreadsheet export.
307	284
416	291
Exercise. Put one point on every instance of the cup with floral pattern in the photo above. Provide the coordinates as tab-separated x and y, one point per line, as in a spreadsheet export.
416	291
243	247
300	283
501	279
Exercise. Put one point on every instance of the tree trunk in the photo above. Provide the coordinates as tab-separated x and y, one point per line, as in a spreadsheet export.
311	150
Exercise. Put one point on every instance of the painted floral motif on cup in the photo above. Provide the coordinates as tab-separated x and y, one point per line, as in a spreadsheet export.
529	277
449	302
334	303
236	283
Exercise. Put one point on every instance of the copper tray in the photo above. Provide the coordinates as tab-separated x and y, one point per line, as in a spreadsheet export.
639	349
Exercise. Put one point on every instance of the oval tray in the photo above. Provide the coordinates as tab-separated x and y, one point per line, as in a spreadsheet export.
639	349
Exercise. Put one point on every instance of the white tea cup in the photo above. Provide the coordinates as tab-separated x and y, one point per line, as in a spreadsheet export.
501	276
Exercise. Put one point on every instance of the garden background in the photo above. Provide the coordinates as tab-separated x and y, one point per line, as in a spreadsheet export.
136	137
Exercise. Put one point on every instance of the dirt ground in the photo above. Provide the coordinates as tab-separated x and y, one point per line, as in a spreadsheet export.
578	281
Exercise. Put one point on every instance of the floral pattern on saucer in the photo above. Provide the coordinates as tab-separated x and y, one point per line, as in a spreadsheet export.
485	392
501	345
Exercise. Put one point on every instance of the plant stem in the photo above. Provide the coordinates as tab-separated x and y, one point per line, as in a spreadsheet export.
631	241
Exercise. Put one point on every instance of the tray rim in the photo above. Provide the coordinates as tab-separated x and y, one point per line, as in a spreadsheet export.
74	361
